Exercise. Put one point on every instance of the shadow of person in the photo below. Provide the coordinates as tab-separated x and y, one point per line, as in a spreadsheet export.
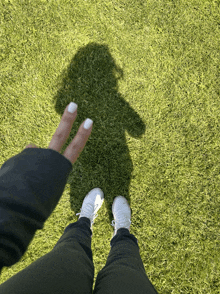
91	81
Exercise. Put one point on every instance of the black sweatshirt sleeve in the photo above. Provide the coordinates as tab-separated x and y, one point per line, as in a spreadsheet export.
31	185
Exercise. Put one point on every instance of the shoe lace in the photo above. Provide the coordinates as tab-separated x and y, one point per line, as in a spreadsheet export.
87	210
123	222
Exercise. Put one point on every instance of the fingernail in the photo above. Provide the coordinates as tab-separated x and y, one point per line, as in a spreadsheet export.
87	123
72	107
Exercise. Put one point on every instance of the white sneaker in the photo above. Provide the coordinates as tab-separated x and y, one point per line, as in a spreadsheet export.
91	204
122	214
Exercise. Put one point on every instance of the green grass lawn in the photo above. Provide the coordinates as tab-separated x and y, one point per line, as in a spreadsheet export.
147	73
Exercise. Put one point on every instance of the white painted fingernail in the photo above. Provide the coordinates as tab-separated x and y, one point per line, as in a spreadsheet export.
72	107
87	123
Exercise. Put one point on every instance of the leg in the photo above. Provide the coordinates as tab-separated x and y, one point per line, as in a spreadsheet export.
124	270
68	268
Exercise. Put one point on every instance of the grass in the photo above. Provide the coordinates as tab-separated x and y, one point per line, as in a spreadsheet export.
147	73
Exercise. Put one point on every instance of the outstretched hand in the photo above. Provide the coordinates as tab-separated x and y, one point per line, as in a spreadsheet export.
62	133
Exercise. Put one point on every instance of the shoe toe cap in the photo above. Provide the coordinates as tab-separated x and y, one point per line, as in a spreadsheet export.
98	191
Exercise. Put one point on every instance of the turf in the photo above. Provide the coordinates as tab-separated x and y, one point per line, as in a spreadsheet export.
147	74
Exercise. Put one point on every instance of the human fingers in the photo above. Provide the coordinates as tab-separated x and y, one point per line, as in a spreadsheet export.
63	131
78	143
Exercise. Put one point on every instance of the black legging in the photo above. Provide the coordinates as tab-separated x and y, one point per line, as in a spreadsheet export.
69	268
